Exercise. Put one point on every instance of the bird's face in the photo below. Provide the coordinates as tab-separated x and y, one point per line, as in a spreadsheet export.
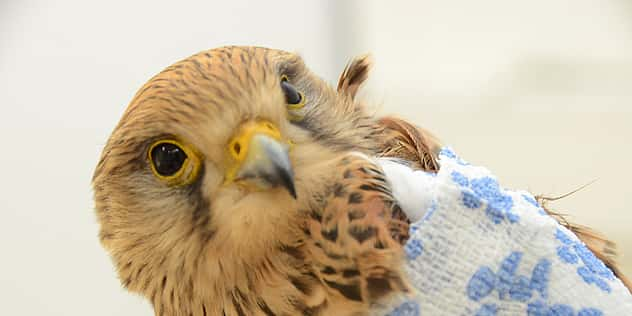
213	160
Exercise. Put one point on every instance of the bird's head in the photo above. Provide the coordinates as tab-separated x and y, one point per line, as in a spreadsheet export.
213	160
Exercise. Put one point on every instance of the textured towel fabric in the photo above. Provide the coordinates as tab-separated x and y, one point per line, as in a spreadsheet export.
481	249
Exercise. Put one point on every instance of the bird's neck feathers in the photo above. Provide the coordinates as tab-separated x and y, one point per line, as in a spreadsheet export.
252	225
226	273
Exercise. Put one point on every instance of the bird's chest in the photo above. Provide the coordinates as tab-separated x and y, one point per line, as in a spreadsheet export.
286	300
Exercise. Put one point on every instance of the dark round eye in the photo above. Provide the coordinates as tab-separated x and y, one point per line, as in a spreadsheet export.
291	95
167	158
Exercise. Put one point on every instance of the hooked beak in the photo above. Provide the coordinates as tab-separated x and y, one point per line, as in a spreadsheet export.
262	158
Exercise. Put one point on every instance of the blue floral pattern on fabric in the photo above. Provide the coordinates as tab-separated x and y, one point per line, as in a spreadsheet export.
592	270
540	308
487	310
408	308
508	285
486	189
413	249
448	153
480	249
430	211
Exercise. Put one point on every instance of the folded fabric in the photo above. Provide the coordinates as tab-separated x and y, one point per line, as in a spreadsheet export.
479	249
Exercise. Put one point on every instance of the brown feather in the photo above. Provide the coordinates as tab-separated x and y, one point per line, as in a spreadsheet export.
409	142
354	75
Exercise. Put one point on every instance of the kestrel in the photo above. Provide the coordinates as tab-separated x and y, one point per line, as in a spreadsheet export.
239	183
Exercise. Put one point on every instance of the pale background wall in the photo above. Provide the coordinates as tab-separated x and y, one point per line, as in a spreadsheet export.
538	91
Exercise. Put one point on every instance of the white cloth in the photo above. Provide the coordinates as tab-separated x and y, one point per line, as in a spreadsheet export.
480	249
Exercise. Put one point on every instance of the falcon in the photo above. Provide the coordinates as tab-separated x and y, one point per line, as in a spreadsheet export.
237	182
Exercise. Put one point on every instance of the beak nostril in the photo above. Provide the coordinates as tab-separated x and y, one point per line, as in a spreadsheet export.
260	157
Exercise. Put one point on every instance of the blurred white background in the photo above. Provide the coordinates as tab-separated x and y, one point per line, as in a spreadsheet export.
538	91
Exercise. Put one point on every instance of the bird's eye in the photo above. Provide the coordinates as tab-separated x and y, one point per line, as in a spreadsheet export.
168	158
295	100
292	96
173	162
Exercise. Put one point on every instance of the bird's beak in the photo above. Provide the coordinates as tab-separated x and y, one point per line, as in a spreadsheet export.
261	157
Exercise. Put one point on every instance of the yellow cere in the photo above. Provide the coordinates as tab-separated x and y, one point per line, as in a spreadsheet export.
189	170
239	145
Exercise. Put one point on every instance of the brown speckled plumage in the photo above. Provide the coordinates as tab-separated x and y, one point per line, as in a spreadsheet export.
212	248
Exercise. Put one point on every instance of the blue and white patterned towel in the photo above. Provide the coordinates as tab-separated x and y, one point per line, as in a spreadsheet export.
481	249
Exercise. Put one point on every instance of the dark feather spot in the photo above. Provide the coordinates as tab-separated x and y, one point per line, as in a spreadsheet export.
334	256
378	287
351	292
242	297
316	216
127	265
339	190
348	174
331	234
265	308
379	245
362	233
355	198
301	285
374	187
237	306
328	270
356	214
349	273
306	230
292	252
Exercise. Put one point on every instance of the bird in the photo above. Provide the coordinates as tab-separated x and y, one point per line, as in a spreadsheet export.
237	182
